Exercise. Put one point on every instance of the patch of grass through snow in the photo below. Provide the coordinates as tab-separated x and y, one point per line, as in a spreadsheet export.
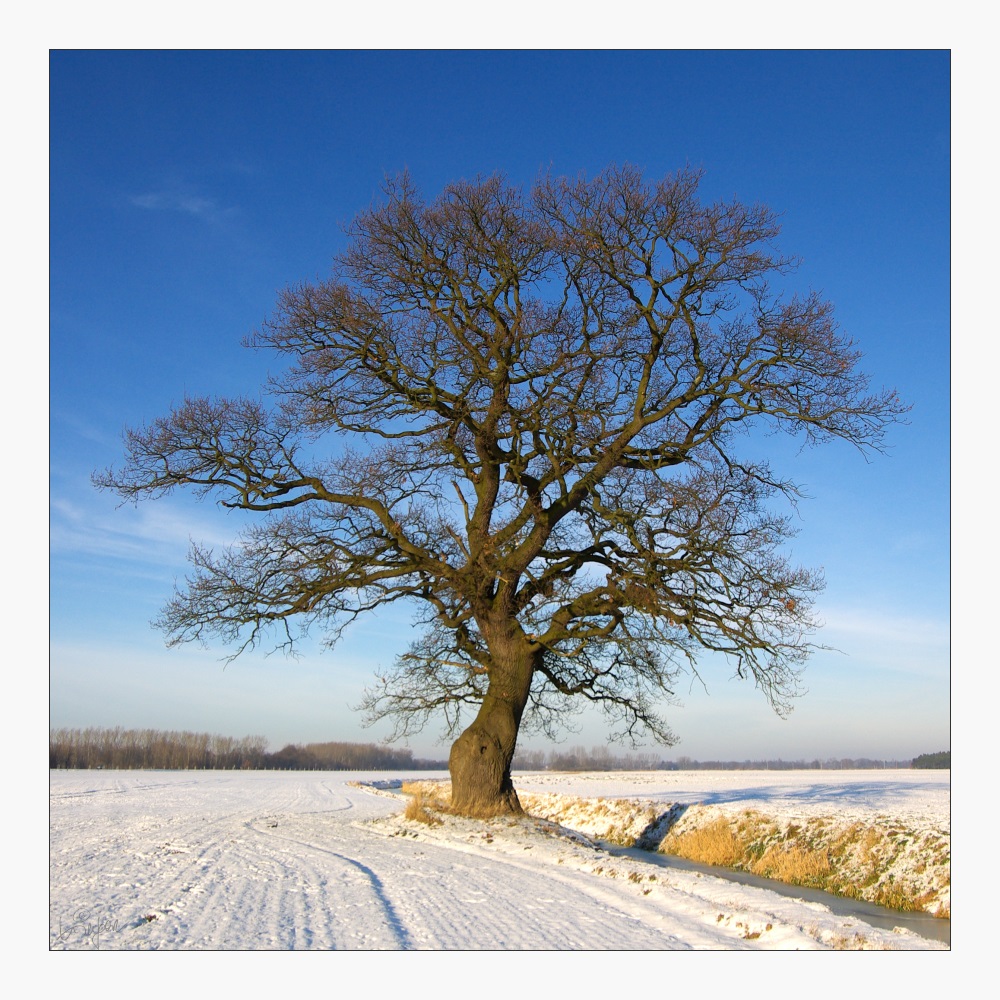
879	861
883	861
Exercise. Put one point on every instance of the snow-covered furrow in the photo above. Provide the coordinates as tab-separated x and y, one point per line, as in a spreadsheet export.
634	904
429	894
279	860
494	899
186	876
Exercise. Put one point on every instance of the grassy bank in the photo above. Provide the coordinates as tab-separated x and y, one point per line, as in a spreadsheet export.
900	864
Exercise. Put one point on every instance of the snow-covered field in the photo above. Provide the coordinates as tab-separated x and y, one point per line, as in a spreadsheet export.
852	794
320	860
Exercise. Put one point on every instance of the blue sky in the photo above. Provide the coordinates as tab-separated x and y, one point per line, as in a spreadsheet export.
188	188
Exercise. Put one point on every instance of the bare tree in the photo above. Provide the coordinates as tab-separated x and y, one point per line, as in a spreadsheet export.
524	414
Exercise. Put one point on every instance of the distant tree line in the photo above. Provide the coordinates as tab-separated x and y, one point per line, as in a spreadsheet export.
601	759
152	748
157	749
349	757
829	764
581	759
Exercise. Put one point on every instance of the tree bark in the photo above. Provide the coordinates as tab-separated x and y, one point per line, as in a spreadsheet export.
480	758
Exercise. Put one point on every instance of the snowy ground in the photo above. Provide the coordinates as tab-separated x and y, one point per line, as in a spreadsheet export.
308	860
852	794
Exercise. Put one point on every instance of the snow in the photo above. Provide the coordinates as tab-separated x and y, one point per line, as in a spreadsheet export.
266	860
853	794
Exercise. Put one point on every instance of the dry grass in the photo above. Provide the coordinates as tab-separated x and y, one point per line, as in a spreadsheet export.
618	821
860	860
716	843
436	796
881	860
856	942
416	809
425	801
796	865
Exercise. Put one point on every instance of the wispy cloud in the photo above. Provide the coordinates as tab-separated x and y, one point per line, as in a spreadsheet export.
157	534
889	628
899	643
186	203
80	428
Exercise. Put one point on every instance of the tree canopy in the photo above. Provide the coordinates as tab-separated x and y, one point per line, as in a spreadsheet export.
931	761
525	413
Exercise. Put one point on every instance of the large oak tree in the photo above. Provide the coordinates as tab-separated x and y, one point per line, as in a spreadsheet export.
524	414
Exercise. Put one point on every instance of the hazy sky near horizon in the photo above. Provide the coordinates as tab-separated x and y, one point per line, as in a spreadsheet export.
188	188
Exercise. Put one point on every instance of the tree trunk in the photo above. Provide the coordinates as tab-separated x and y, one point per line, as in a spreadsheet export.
480	758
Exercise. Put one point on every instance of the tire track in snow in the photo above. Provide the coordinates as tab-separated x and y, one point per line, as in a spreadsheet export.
400	934
275	860
579	909
451	895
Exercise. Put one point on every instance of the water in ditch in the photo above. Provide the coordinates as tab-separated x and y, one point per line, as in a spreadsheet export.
934	928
